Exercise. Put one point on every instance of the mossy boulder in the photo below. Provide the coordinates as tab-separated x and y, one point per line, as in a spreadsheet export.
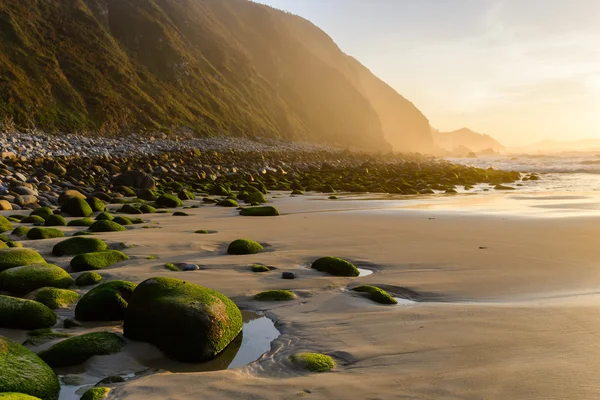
23	372
129	209
244	246
18	313
14	244
55	220
44	233
147	194
180	214
97	260
260	268
264	211
43	212
38	337
20	231
105	302
17	257
313	362
171	267
17	396
97	393
255	198
275	295
168	200
106	226
376	294
88	279
147	209
335	266
96	204
25	279
81	222
77	350
202	232
228	203
122	221
33	219
208	200
104	216
54	298
77	207
208	321
5	224
186	195
78	245
3	245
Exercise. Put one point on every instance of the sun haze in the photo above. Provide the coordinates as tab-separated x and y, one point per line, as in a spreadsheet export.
521	71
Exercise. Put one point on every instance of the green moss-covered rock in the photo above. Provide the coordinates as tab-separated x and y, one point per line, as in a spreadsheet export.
43	212
104	216
97	393
54	298
88	279
129	209
16	257
335	266
171	267
147	194
21	231
105	302
147	209
97	260
96	204
136	221
22	371
202	232
17	396
186	195
168	200
33	219
106	226
25	279
228	203
24	314
5	224
14	244
260	268
208	200
314	362
38	337
264	211
244	246
275	295
376	294
77	207
211	320
3	245
122	221
78	245
255	198
44	233
77	350
81	222
55	220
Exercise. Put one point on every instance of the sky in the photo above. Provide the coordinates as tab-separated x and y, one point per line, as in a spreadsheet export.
519	70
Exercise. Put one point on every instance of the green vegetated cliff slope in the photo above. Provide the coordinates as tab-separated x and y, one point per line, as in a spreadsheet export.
206	67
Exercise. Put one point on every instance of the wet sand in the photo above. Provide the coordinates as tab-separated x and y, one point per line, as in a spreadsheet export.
506	302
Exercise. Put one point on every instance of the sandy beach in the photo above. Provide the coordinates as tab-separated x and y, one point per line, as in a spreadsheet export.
504	304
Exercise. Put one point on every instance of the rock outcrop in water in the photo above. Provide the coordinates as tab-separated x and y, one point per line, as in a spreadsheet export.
209	67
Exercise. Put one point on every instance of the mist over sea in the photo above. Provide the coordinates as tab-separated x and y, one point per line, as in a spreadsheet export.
558	173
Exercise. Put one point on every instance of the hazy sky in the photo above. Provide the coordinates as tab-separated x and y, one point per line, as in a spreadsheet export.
520	70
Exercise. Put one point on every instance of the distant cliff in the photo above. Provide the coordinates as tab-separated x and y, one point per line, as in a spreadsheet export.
205	67
466	139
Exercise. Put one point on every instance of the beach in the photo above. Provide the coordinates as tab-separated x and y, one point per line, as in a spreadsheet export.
495	303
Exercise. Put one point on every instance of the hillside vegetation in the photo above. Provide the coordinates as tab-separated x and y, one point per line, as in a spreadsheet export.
202	67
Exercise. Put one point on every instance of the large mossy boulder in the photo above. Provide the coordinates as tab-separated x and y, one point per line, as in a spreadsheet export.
78	245
228	203
25	279
23	372
104	216
21	231
88	279
17	396
244	246
264	211
17	257
5	224
168	200
96	393
189	323
81	222
77	207
106	226
77	350
121	220
44	233
97	260
54	298
33	219
255	198
96	204
55	220
335	266
18	313
105	302
43	212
